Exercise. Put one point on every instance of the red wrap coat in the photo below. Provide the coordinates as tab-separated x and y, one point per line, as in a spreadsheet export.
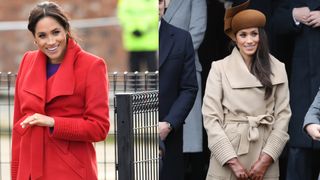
76	97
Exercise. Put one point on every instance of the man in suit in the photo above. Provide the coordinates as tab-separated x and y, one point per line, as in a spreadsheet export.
301	19
191	15
177	92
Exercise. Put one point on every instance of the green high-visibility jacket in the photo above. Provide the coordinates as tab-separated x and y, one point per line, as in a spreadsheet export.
139	17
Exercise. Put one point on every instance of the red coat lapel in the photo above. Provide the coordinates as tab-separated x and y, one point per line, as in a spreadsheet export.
64	79
35	79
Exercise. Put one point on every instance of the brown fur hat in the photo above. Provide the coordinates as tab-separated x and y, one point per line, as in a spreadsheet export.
238	17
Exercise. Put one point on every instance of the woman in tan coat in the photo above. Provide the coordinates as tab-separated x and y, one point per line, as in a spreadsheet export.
246	104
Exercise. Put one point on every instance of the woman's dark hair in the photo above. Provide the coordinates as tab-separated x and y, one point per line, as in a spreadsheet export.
48	9
261	66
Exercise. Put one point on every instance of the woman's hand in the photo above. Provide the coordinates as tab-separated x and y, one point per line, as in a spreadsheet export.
237	169
37	120
260	167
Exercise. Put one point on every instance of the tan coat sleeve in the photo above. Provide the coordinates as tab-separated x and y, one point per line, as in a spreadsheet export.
218	142
282	113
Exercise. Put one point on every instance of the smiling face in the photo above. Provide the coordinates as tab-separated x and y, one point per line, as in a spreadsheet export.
51	39
247	41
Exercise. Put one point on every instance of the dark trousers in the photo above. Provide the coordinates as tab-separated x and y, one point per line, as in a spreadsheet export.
303	164
173	165
143	61
194	165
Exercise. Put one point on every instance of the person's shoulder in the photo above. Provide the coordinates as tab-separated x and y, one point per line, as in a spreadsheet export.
88	57
220	62
89	62
279	74
175	30
28	59
221	65
276	63
275	60
30	56
32	53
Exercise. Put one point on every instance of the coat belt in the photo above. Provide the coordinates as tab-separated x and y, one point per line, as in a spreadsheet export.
37	152
253	132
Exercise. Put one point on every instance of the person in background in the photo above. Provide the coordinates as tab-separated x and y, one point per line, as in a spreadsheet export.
246	103
311	125
312	119
301	20
60	104
191	15
139	22
177	93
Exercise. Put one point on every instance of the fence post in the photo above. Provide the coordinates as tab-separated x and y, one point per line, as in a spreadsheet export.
137	131
125	137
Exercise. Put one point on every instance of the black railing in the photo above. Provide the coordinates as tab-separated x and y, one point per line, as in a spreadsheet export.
7	81
137	132
106	152
133	81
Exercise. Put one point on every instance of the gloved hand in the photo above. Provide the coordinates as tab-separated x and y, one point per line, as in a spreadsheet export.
137	33
238	170
260	167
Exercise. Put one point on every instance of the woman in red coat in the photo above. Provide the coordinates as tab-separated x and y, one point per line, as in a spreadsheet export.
61	104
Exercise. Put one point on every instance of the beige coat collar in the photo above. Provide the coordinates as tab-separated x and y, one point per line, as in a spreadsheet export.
239	75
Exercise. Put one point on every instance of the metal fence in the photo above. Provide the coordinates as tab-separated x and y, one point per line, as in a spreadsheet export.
137	120
129	82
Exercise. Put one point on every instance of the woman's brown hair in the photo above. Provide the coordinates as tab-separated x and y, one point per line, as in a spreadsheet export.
48	9
261	66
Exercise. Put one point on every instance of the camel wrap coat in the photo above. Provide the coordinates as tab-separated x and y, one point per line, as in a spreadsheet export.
239	121
76	97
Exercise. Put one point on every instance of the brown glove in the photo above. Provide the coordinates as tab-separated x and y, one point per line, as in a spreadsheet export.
260	167
238	170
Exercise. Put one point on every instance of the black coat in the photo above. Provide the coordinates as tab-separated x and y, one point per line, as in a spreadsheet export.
305	68
177	92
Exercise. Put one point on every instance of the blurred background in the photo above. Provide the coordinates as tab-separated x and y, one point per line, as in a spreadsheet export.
94	21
